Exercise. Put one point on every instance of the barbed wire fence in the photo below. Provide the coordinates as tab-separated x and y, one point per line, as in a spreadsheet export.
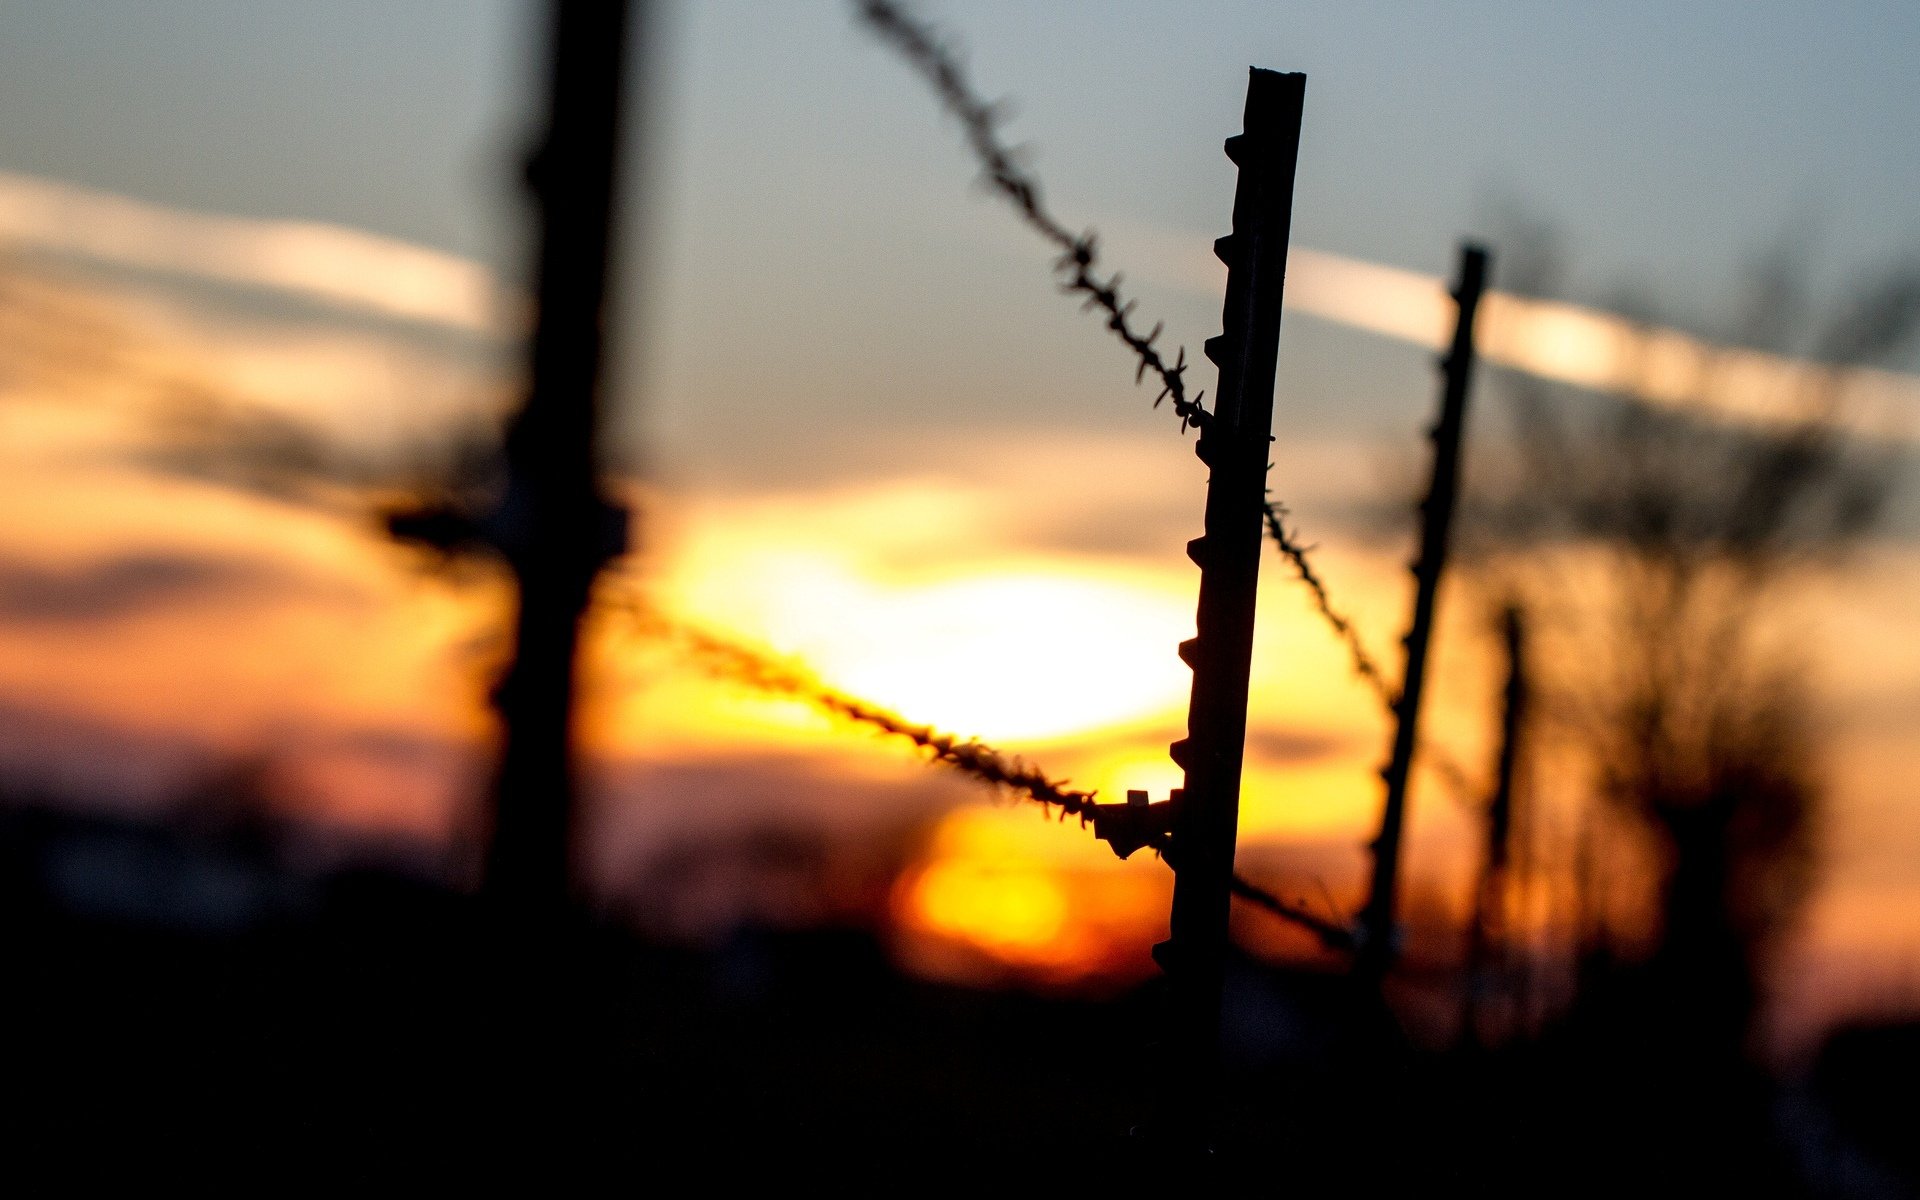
1289	545
922	47
735	661
934	59
1432	758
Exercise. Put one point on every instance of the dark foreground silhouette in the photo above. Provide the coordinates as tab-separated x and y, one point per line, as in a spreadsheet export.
184	1006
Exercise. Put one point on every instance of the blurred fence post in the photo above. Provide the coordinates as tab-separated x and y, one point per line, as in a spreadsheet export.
1234	442
554	526
1377	931
1490	930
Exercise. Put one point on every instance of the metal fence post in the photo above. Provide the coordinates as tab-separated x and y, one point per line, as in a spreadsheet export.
554	526
1234	442
1378	935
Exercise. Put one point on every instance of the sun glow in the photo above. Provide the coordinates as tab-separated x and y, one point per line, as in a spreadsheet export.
1017	911
1008	649
1035	898
1016	655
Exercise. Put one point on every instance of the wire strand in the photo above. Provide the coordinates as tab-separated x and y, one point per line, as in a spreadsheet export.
739	663
924	50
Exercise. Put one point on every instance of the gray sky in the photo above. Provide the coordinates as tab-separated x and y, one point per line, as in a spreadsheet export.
823	262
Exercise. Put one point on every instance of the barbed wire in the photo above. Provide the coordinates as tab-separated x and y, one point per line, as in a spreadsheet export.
1364	665
739	663
1431	758
923	49
934	59
1333	934
759	669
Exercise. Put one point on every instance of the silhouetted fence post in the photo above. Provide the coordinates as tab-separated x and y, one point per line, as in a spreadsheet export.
1377	930
554	526
1491	900
1234	442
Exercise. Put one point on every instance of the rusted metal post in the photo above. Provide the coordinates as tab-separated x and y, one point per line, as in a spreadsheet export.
554	526
1234	442
1378	933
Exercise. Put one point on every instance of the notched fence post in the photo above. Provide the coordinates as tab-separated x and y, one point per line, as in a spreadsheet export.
1234	442
554	526
1378	935
1490	931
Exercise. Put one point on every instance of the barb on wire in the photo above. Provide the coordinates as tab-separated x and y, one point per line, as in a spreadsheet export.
1334	935
1432	758
743	664
924	50
1363	663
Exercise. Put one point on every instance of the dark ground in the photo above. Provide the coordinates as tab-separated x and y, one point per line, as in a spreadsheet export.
177	1008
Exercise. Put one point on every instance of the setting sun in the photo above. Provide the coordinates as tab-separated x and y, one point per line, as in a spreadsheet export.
1003	649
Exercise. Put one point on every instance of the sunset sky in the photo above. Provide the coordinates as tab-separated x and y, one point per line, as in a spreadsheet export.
860	425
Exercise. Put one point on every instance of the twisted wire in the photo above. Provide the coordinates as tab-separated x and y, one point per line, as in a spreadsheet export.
1363	662
740	663
1334	935
1456	777
924	50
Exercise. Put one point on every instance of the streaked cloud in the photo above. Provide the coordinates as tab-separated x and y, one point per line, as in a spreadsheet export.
1550	340
125	585
329	263
1560	342
1566	343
